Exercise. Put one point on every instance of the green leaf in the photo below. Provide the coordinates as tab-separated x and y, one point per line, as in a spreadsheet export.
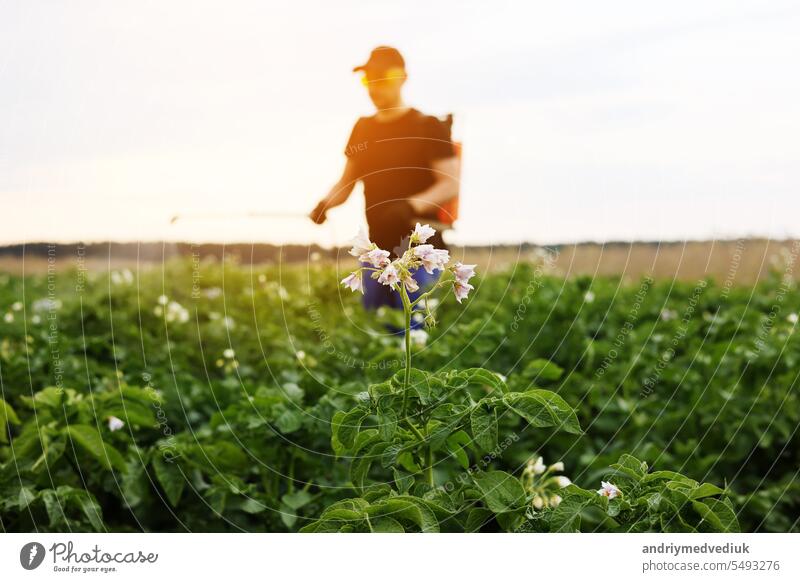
50	397
26	497
543	408
420	383
666	476
90	508
291	503
387	424
631	466
511	521
501	492
53	506
718	514
706	490
293	392
359	468
220	456
170	477
356	504
135	482
385	525
7	414
343	515
455	445
484	427
248	505
541	369
402	482
377	391
483	377
88	438
345	426
288	516
567	516
289	420
216	498
297	500
409	508
477	518
320	526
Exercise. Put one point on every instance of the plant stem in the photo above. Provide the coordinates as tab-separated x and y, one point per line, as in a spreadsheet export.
408	308
407	380
415	430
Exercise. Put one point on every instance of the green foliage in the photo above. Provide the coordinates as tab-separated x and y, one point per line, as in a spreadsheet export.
309	425
661	501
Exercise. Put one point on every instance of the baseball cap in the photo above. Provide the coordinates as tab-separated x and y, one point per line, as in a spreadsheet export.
382	58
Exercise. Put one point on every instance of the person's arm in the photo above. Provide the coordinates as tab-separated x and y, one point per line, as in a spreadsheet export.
446	174
337	195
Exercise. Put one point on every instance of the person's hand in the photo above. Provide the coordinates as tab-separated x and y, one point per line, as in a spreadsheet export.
319	214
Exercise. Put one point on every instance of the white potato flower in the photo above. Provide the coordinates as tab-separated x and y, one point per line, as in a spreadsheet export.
461	290
422	233
361	244
114	423
389	276
378	258
464	273
432	259
608	489
177	312
354	282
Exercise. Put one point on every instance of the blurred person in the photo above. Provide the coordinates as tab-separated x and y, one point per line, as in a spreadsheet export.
407	163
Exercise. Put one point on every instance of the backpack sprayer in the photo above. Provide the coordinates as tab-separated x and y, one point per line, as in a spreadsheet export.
447	213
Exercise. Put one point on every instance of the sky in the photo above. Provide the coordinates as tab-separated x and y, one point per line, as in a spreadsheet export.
580	121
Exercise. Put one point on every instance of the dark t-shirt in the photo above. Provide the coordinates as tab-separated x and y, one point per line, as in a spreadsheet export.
393	159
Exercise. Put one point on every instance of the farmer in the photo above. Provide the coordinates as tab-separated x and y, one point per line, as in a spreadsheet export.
407	163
